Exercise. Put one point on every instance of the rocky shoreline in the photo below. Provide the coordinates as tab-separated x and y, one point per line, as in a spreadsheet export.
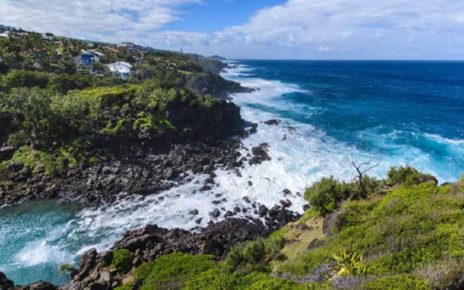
204	140
140	165
151	242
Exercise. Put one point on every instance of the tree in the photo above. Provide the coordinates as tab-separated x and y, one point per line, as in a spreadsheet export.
364	182
25	79
33	107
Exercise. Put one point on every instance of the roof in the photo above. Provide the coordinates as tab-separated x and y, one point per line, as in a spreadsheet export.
97	53
120	67
91	53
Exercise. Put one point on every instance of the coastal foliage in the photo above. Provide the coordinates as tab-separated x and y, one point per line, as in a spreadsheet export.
52	104
408	236
122	260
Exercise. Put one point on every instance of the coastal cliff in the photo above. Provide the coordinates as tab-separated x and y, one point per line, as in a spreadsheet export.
83	134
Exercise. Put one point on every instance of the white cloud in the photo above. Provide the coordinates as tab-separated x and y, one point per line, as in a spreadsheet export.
98	19
295	29
354	28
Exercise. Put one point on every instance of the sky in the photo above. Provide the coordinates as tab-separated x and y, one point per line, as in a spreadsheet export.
258	29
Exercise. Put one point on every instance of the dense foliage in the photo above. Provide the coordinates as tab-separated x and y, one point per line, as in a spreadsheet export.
55	110
407	234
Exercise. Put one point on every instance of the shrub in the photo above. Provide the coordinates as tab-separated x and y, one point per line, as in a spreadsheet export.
218	279
254	252
171	271
254	255
122	260
325	196
33	107
215	279
397	282
403	174
25	79
67	269
349	263
64	83
361	189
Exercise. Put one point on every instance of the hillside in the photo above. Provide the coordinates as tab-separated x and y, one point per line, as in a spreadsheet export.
74	110
406	233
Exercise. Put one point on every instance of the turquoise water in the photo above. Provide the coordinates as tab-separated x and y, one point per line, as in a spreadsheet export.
391	113
26	255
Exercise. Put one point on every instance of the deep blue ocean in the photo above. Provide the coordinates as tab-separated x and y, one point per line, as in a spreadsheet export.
407	112
330	114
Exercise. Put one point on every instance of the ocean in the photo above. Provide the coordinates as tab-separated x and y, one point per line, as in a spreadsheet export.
331	113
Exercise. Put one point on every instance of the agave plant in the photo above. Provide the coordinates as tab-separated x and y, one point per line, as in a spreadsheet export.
349	263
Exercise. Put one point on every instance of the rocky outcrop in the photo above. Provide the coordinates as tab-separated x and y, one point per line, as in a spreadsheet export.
272	122
136	164
151	242
221	120
214	85
5	283
259	154
6	152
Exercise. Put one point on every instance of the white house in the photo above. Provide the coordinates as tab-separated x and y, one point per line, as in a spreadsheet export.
120	69
5	34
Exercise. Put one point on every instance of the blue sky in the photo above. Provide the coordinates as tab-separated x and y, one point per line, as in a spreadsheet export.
216	15
270	29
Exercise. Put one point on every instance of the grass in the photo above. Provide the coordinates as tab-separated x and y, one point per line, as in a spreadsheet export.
408	237
410	228
122	260
53	164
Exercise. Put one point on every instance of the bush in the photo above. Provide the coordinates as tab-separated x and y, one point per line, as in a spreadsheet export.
349	263
25	79
397	282
122	260
215	279
325	196
54	164
67	269
403	174
64	83
254	255
33	108
171	271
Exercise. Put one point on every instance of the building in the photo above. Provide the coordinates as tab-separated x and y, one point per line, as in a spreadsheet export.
120	69
87	57
5	34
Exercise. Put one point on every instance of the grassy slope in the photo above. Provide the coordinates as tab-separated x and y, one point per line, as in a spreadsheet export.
409	238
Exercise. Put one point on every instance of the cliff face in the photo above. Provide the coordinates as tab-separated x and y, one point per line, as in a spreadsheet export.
219	121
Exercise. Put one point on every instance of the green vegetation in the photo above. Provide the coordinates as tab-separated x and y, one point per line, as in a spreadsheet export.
326	195
56	108
122	260
406	236
415	225
349	264
67	269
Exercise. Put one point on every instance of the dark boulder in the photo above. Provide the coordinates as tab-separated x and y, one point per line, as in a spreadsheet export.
6	153
40	285
272	122
151	242
329	223
5	283
259	154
